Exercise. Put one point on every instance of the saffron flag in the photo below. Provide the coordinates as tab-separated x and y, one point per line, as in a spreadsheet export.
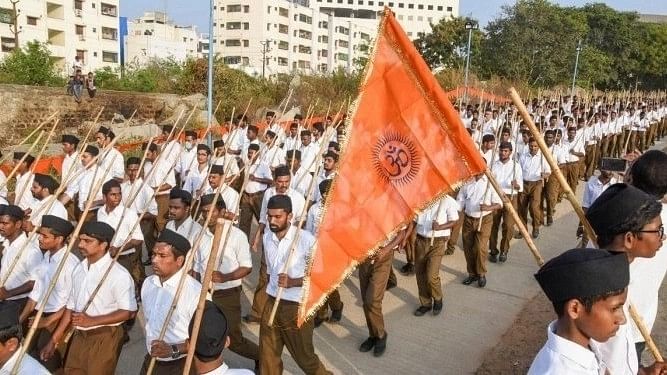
405	147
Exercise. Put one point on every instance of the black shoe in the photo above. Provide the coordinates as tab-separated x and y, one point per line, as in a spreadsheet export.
481	282
336	315
318	321
408	269
367	345
518	236
536	233
391	284
251	319
470	279
380	346
503	257
422	310
437	307
493	257
550	220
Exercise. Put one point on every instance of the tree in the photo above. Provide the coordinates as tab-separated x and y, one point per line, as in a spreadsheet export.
32	65
446	46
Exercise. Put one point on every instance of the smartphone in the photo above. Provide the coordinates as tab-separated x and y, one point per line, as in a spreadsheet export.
613	164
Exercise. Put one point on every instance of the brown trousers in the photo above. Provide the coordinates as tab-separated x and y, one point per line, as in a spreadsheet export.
550	194
285	333
373	278
132	263
162	212
503	215
95	351
333	302
410	245
531	198
591	156
148	230
229	300
260	297
571	171
427	268
455	234
475	243
165	367
250	207
42	337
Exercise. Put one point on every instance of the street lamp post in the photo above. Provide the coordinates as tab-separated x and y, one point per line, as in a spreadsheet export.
266	48
209	103
576	67
470	26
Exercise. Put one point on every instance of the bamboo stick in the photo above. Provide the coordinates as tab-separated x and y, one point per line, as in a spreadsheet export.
16	167
33	132
39	156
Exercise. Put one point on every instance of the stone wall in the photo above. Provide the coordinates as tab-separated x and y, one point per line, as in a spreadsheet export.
22	108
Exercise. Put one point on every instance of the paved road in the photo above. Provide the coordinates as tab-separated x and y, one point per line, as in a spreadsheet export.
455	342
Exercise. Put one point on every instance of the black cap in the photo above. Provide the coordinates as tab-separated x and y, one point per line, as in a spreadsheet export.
218	169
69	138
103	232
92	150
46	181
191	133
218	143
270	113
181	194
28	159
14	211
179	243
58	224
9	315
296	154
614	206
253	146
324	186
582	273
330	154
104	130
208	199
212	335
280	201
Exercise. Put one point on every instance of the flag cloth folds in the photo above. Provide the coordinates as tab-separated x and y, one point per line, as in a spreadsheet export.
405	147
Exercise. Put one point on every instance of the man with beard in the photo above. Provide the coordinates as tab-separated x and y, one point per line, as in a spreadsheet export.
42	190
98	333
215	181
329	163
283	332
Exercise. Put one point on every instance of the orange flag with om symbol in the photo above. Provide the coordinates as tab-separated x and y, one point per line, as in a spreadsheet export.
405	147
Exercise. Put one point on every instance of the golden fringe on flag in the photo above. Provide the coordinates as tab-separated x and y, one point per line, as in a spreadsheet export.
405	147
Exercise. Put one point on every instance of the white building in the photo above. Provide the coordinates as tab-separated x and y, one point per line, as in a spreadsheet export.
88	29
290	36
154	36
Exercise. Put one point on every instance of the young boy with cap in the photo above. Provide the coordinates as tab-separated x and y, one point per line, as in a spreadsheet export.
587	288
211	341
628	220
10	345
95	315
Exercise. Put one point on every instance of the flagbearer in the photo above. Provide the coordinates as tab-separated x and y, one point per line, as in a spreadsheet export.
278	243
433	226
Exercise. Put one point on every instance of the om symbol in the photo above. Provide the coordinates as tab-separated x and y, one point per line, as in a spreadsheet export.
396	158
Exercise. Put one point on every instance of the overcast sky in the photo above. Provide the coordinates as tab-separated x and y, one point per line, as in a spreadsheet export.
187	12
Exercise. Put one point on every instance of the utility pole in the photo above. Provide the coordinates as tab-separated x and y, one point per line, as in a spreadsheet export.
14	26
266	48
209	102
576	67
470	26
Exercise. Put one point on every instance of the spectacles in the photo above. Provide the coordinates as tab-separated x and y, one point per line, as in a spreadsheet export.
660	231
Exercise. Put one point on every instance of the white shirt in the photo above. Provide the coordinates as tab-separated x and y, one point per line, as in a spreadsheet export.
71	165
116	293
172	152
225	370
143	200
442	211
28	259
230	196
313	218
157	178
308	157
292	144
258	170
301	181
473	193
24	196
593	189
157	298
533	166
317	195
231	166
577	145
196	179
39	209
505	173
186	161
124	221
84	185
273	156
276	252
235	255
298	203
112	160
43	275
3	181
189	229
28	366
560	356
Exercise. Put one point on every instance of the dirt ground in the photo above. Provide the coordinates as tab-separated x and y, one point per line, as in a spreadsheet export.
519	345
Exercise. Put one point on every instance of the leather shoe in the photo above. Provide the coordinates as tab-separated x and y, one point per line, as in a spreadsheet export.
518	236
380	346
336	315
536	233
391	284
437	307
318	321
367	345
481	282
493	258
550	220
251	319
502	258
408	269
470	279
422	310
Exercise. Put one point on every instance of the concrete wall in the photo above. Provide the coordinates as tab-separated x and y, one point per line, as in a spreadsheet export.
23	107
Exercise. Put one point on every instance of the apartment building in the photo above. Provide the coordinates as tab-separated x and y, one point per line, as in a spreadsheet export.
154	36
84	28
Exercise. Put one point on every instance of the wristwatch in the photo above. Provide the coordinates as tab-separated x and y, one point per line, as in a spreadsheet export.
175	353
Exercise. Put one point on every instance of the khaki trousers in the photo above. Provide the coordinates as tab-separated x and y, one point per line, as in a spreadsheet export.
260	297
162	212
165	367
250	207
285	333
455	234
373	277
132	263
410	245
502	216
550	193
475	243
229	301
427	268
42	338
94	352
333	302
531	198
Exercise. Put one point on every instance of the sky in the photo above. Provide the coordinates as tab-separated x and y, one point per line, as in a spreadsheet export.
188	12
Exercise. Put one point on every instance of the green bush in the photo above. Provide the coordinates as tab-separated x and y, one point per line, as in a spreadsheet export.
31	65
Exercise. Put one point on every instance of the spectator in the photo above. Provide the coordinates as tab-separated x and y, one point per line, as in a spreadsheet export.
90	85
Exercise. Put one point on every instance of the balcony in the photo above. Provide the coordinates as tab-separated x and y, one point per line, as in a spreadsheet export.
109	33
109	10
56	37
56	11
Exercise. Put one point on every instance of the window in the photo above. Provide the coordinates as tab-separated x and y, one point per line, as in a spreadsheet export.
282	61
111	57
323	68
246	9
6	16
400	5
439	8
268	10
268	27
324	24
343	30
235	8
304	49
246	26
420	6
365	36
233	25
411	6
324	53
32	21
233	42
342	43
449	9
323	39
109	10
232	60
283	45
109	33
304	64
246	43
8	44
430	7
341	57
283	12
79	29
304	34
245	60
78	5
283	29
306	19
81	54
410	18
420	18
